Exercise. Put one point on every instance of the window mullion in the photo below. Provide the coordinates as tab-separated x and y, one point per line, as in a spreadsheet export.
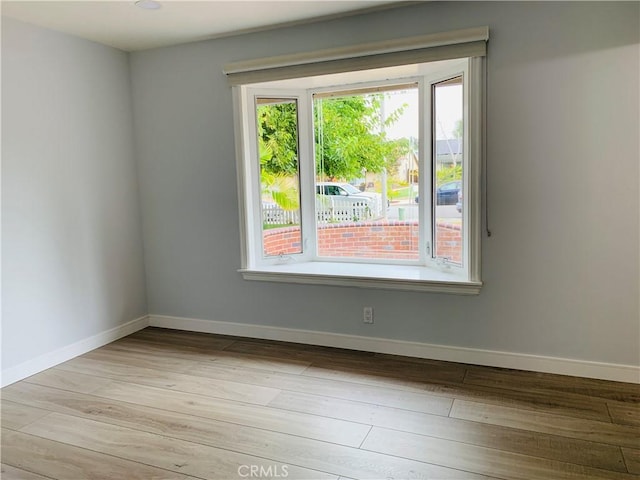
254	212
426	173
472	204
307	176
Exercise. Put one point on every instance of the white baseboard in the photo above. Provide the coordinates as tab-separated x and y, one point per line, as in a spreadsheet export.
519	361
51	359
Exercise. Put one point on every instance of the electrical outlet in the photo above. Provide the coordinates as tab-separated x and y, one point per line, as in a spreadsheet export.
367	314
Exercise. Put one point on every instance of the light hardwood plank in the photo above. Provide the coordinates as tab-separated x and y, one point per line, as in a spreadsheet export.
7	472
284	365
248	360
65	462
480	459
409	400
131	373
508	439
361	412
140	347
431	401
14	416
358	363
293	423
625	413
350	369
520	380
632	459
594	431
365	377
531	400
166	336
279	447
384	366
537	399
310	353
58	378
171	454
416	360
181	359
143	359
66	380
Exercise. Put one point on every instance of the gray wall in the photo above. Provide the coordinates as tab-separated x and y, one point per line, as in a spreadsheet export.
561	270
72	262
562	266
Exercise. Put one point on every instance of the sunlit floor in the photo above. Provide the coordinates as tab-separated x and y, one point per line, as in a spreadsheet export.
167	404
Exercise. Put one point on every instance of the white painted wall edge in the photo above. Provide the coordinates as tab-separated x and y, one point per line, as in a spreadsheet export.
51	359
519	361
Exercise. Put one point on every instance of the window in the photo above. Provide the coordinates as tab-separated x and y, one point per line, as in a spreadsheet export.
367	177
278	162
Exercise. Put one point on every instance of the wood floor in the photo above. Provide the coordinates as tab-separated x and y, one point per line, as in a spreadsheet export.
162	404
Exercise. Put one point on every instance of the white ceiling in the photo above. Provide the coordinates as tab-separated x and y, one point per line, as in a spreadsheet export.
127	27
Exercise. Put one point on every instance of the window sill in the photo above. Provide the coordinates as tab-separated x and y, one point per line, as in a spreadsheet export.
392	277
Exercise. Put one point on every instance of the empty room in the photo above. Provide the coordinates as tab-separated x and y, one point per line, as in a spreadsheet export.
312	240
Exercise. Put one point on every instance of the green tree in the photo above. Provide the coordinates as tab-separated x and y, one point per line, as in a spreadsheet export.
348	134
350	137
278	138
282	188
448	173
278	152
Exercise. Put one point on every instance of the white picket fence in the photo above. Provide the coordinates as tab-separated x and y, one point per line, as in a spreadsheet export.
333	209
272	214
329	209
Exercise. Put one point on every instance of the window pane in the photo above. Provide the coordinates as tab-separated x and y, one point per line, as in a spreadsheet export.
277	127
367	169
448	133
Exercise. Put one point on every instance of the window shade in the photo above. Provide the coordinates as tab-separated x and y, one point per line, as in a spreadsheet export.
403	51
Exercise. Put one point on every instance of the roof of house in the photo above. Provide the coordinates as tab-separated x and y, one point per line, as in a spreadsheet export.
447	147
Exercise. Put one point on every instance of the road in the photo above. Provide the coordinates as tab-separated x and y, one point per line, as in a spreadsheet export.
410	211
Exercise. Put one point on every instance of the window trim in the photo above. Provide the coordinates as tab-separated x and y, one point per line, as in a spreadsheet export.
424	278
469	42
305	151
395	277
429	143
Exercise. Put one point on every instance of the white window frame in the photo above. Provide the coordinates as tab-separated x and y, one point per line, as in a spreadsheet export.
421	224
425	275
255	241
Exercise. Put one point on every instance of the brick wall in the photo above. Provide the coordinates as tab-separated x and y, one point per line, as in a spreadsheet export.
282	241
390	239
398	240
449	241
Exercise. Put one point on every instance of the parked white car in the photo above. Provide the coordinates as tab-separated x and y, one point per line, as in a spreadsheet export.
347	194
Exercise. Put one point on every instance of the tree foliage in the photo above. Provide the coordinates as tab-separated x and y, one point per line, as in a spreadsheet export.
349	137
448	173
278	138
458	129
